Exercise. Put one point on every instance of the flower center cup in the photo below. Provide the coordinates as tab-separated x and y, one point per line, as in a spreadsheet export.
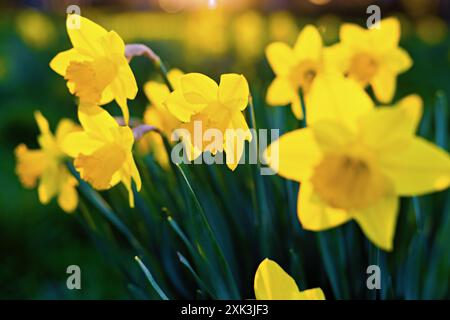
303	74
363	67
99	167
90	78
347	181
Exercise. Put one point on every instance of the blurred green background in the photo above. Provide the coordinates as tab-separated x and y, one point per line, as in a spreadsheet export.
37	242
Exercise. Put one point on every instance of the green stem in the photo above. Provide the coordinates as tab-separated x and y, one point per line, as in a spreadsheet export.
159	64
134	50
418	214
262	214
210	233
97	201
199	281
182	179
303	123
150	279
441	119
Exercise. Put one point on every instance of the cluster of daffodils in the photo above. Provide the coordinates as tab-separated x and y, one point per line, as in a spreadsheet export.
97	72
353	160
370	57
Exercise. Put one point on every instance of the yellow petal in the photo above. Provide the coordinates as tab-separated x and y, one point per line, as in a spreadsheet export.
294	155
124	85
280	92
191	150
236	134
180	108
332	135
336	98
116	178
65	127
96	120
354	36
86	38
234	91
153	143
296	106
89	79
113	44
62	60
46	139
314	214
384	83
198	88
413	107
128	172
68	196
119	89
128	81
273	283
387	36
378	222
135	175
309	44
42	122
126	180
106	97
49	183
156	92
386	128
397	60
160	117
337	58
80	142
312	294
281	58
174	76
30	165
417	168
99	167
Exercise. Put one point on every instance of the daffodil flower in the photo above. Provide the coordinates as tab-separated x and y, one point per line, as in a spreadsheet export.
199	100
47	165
371	56
273	283
103	151
355	161
96	68
158	115
295	69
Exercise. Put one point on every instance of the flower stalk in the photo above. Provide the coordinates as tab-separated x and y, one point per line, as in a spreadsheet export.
134	50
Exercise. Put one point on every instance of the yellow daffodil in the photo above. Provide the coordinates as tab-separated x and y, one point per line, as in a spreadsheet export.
355	161
371	56
103	151
47	165
294	68
200	101
159	116
273	283
96	68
